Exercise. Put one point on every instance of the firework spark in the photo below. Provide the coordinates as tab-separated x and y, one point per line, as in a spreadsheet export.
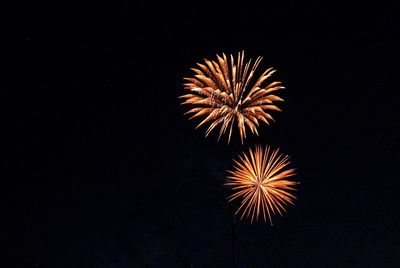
259	178
226	93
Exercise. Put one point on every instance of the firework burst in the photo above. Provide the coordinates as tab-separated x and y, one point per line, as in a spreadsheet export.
226	94
259	179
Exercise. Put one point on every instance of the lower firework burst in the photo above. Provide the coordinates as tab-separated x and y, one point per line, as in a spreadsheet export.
259	178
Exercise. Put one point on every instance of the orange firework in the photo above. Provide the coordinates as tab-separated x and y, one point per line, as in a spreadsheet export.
226	93
259	178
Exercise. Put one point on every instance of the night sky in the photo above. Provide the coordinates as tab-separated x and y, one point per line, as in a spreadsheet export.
102	169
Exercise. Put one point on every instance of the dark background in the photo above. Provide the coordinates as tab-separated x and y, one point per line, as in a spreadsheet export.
102	169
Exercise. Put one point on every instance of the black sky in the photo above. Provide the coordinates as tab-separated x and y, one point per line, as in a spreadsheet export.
102	169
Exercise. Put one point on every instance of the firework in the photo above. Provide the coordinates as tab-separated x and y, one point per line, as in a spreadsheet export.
227	94
259	178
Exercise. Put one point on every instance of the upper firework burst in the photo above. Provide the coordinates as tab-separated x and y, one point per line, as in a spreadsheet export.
227	94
